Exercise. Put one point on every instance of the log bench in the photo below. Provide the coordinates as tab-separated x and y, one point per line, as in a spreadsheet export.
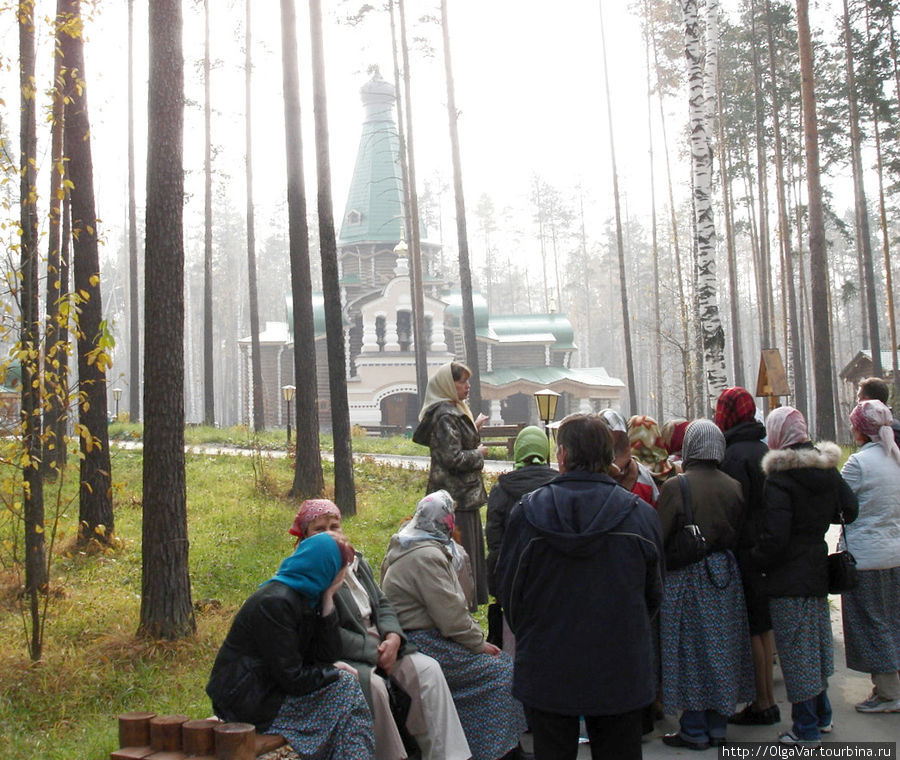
382	431
148	736
501	435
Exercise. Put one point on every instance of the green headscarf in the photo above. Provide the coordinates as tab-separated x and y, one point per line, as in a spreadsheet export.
531	447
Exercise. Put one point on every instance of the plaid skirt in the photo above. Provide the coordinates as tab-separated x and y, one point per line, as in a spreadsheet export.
871	616
802	627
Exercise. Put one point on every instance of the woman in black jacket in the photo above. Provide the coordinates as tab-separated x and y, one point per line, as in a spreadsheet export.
276	668
804	494
744	451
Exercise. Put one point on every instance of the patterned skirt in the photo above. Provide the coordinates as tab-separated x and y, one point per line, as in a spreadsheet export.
871	614
705	643
802	627
331	723
481	685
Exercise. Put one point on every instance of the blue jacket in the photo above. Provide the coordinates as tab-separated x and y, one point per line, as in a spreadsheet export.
581	577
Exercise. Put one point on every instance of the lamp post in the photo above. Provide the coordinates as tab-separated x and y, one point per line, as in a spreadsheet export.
287	393
117	394
546	401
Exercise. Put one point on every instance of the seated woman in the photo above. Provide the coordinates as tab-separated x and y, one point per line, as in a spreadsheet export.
419	577
372	641
276	668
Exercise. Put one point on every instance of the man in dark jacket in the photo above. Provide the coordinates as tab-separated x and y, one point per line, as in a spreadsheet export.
580	577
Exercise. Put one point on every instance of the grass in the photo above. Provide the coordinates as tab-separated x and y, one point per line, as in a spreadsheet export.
94	667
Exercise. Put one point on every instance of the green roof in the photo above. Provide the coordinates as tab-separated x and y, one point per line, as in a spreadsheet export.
520	328
548	376
374	209
453	299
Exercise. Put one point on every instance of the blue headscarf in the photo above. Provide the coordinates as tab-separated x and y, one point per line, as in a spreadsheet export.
311	568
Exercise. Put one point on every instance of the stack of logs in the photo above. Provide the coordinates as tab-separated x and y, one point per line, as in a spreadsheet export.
148	736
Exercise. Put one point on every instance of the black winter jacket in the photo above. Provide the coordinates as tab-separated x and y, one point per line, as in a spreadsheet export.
804	494
744	451
580	574
510	487
278	645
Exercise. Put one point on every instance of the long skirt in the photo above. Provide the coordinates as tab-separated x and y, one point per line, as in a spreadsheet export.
331	723
871	615
471	536
705	642
802	628
481	685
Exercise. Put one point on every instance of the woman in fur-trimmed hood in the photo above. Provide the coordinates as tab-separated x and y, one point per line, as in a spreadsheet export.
804	494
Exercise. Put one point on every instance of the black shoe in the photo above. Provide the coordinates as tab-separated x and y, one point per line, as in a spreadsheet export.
750	717
677	740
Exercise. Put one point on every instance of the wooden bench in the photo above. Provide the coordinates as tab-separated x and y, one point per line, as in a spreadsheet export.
382	431
501	435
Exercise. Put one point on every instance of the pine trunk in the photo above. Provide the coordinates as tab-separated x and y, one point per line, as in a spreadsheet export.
308	480
209	398
166	609
134	297
344	490
95	513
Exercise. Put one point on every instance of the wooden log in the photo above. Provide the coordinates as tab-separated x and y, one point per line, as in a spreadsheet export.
134	729
165	732
235	741
131	753
268	743
197	737
167	755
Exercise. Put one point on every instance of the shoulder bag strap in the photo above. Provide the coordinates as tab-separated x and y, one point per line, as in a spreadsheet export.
686	499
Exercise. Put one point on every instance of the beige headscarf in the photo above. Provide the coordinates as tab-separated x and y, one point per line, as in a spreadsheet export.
441	388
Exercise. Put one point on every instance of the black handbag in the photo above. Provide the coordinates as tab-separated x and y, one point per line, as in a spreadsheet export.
495	624
842	573
687	544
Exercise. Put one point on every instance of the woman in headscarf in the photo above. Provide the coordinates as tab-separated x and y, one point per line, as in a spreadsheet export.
706	665
804	493
647	446
626	470
744	451
871	611
278	669
419	576
672	436
447	427
372	641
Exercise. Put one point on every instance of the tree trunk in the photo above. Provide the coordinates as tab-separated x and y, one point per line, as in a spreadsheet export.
620	245
344	491
33	497
784	231
55	383
95	513
209	398
415	247
701	162
465	272
256	381
308	481
863	236
166	610
818	261
134	324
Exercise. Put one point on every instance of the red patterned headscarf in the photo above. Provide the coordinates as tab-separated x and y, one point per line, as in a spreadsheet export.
672	434
647	445
873	419
735	405
309	511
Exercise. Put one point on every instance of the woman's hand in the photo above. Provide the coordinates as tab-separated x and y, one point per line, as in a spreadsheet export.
483	450
491	649
328	595
387	652
341	665
480	420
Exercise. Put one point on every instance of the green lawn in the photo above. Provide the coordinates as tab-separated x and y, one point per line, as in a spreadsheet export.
65	707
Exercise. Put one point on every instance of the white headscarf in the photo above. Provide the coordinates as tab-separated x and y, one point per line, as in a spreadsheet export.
441	387
873	418
433	521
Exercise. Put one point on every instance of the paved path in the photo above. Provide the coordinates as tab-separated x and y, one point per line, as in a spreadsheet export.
846	687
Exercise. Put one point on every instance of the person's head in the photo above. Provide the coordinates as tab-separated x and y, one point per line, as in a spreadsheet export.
785	426
316	516
434	516
461	374
703	442
315	564
644	439
871	420
873	389
672	434
531	447
584	442
619	430
734	406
